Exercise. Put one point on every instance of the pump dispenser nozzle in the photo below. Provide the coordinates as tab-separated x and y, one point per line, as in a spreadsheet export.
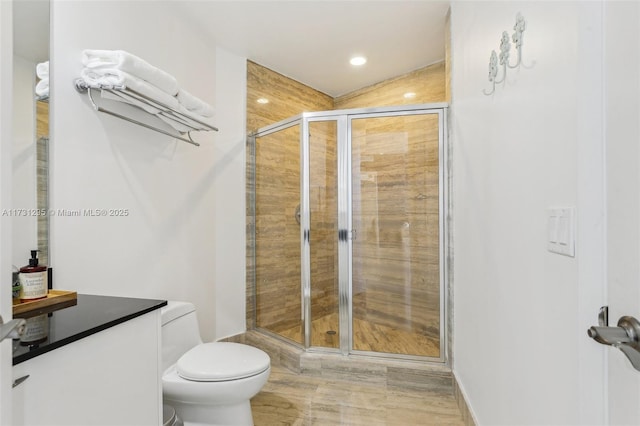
34	258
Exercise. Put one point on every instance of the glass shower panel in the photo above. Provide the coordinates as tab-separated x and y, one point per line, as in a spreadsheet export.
323	209
396	241
277	233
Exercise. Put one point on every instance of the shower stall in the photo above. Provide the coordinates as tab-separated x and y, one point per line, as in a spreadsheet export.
347	231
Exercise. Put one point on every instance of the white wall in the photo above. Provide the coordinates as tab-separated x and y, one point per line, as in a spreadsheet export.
25	237
167	247
521	352
230	181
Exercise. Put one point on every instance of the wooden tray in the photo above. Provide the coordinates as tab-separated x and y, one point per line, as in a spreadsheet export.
54	297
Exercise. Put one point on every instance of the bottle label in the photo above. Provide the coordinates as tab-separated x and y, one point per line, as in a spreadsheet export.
34	285
36	329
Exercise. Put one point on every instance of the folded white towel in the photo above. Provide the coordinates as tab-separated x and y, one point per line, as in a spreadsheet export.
124	61
42	88
109	78
194	104
42	70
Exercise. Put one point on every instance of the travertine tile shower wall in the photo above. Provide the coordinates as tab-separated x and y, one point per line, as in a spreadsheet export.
427	83
276	305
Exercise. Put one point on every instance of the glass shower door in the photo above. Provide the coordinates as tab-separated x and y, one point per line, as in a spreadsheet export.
324	321
395	172
348	239
277	233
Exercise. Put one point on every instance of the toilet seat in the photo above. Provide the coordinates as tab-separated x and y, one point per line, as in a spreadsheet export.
221	361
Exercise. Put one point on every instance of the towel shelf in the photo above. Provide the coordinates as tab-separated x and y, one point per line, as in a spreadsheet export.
140	101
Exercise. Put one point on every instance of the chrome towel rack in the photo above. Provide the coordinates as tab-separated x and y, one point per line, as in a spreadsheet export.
186	121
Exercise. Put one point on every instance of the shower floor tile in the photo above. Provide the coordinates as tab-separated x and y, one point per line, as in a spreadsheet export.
295	399
369	336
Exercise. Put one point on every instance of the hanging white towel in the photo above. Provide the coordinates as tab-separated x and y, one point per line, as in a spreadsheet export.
124	97
194	104
119	80
182	125
129	63
192	119
110	78
42	70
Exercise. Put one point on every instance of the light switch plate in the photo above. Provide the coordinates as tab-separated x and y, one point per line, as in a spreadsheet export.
561	225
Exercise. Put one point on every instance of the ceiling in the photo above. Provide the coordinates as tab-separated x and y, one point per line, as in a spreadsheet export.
312	41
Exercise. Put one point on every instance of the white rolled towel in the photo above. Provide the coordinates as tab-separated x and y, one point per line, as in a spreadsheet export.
115	78
194	104
42	88
129	63
42	70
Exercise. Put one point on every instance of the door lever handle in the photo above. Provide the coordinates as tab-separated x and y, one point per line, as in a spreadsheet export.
626	337
14	328
632	351
609	335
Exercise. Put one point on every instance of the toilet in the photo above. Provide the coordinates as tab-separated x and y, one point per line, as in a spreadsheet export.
207	383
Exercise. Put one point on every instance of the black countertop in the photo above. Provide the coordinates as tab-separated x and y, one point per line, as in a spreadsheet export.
57	326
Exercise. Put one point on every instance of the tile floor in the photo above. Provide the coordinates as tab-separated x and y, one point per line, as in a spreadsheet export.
297	399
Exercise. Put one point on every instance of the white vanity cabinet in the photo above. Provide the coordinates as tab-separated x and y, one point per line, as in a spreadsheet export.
110	377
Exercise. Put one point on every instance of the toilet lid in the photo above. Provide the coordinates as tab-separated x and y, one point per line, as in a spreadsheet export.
218	361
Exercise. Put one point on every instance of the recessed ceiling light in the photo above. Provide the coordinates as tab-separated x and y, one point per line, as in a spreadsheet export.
263	101
358	60
409	95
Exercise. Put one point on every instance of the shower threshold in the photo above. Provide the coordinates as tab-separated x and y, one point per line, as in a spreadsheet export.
401	373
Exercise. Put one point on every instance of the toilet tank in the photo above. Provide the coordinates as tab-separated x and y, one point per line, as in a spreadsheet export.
180	331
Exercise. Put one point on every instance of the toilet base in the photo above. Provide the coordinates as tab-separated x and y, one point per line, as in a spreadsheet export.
208	415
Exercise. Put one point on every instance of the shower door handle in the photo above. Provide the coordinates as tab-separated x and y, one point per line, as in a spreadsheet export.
296	214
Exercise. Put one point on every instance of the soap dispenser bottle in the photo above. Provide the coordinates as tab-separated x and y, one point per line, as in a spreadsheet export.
34	279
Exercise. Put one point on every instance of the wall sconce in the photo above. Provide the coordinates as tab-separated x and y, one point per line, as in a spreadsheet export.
505	48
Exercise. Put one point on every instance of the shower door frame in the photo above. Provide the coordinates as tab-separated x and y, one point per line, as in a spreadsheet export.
343	119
